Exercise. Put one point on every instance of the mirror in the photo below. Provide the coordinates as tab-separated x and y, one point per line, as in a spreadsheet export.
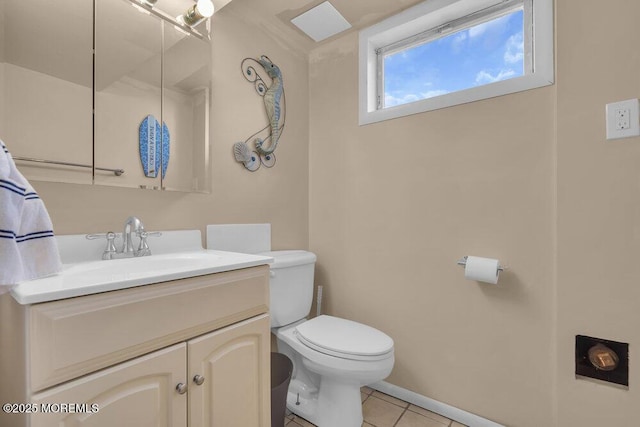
128	87
46	87
148	86
186	101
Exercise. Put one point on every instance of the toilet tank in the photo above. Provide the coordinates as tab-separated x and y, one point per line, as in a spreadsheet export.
290	286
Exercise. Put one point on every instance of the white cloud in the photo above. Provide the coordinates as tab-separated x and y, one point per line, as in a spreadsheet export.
460	37
496	24
485	77
432	93
514	49
458	41
391	101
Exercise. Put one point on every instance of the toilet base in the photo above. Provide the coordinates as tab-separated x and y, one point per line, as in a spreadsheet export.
338	404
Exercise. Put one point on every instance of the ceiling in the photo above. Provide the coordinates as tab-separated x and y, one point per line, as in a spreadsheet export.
274	16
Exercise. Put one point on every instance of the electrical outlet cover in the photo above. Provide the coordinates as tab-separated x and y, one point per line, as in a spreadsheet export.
630	125
622	119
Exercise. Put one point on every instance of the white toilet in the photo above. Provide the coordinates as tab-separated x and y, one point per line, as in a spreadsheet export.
332	357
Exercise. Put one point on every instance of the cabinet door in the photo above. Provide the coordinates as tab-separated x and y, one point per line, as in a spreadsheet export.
138	393
235	364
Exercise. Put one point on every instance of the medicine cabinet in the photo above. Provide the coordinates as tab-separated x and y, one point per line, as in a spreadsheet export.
78	79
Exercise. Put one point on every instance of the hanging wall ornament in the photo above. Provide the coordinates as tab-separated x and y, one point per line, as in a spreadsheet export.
154	143
270	87
268	160
249	158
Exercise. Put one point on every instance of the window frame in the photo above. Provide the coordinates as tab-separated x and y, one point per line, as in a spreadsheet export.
424	22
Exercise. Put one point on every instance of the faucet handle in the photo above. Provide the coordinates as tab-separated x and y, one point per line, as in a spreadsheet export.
149	233
110	250
143	247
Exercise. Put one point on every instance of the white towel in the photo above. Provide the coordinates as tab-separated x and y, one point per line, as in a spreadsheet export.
28	249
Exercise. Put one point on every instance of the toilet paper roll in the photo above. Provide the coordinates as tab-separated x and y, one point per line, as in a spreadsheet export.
482	269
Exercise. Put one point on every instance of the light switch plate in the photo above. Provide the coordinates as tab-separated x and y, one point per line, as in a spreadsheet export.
623	119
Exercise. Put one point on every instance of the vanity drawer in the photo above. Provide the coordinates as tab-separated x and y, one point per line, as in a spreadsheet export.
73	337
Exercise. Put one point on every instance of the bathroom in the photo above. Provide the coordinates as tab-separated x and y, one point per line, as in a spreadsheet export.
388	208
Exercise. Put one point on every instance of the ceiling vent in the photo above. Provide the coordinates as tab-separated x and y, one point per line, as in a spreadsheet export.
321	22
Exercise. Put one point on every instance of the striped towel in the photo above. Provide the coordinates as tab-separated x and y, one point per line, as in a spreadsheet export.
28	249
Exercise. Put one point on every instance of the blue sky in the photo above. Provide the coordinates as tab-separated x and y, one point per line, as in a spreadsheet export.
482	54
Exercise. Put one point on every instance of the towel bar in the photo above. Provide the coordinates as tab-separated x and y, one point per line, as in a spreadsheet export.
116	172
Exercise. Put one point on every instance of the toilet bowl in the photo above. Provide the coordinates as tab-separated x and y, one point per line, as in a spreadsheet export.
332	357
327	377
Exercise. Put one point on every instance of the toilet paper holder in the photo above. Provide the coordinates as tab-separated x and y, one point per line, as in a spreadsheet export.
463	262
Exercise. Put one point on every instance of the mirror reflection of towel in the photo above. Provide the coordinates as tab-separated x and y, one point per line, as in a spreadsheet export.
28	249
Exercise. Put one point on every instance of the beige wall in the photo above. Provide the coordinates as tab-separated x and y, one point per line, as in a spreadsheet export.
528	178
598	204
395	204
278	195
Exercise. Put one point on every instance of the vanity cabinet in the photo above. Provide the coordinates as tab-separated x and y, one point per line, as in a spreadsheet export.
190	352
233	365
136	393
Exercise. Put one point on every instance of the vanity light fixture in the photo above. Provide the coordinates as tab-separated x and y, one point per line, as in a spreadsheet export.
142	6
197	13
201	10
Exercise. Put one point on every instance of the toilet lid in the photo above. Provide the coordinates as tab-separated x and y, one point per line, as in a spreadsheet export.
344	338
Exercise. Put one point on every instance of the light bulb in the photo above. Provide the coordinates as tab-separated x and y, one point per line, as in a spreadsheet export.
197	13
205	8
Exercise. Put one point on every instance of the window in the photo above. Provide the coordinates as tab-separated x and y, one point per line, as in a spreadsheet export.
447	52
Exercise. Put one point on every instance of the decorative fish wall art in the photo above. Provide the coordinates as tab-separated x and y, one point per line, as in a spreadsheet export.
266	139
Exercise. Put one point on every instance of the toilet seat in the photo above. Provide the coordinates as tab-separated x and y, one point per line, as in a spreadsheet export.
344	338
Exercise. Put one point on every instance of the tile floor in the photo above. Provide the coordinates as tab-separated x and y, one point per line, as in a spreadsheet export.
381	410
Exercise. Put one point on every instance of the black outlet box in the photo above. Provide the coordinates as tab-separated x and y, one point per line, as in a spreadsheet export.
620	375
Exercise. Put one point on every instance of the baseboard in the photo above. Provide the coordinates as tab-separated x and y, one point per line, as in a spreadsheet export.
443	409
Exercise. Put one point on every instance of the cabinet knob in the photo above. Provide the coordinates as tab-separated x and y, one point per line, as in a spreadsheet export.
198	379
181	388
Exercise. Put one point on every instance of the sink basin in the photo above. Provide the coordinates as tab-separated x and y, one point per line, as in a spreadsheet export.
130	267
91	277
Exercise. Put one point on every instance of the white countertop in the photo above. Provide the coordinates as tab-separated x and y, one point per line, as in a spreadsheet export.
102	276
94	276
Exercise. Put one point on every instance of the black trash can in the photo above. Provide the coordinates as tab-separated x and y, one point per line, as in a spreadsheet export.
281	370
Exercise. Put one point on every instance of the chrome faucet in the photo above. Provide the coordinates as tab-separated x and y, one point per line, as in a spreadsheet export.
132	224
